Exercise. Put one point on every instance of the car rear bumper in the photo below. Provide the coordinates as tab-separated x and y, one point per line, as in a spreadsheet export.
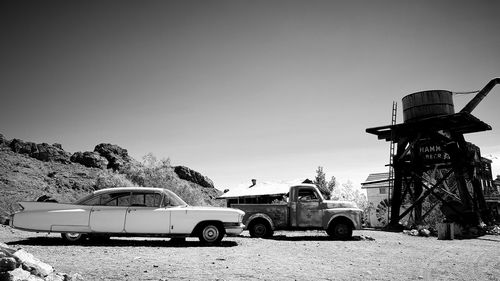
233	229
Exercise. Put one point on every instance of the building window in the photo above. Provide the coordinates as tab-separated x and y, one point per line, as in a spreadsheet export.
382	190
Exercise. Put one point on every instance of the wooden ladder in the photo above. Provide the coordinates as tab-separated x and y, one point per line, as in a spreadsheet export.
391	157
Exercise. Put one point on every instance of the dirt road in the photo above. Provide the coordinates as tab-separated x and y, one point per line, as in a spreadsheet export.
299	255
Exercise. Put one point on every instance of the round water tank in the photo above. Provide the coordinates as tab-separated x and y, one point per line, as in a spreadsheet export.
427	104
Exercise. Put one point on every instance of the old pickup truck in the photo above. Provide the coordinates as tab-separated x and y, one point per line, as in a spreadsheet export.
298	207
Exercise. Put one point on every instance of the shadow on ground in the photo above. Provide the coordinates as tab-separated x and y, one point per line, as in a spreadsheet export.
55	241
317	238
488	239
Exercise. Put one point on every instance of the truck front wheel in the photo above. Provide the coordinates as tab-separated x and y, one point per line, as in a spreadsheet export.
260	229
340	230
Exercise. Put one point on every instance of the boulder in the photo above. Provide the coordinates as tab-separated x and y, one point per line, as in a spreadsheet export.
57	145
34	265
8	264
117	157
21	265
17	274
19	146
43	152
90	159
4	141
193	176
46	152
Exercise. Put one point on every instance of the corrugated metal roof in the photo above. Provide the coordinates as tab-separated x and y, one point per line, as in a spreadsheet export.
261	188
376	180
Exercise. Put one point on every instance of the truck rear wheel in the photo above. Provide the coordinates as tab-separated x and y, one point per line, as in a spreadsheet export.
260	229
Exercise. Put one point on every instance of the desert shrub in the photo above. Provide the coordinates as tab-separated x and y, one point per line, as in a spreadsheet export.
433	213
9	205
152	172
188	194
111	179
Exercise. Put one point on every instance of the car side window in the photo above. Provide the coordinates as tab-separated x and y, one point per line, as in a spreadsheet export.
124	200
116	199
152	200
138	199
145	200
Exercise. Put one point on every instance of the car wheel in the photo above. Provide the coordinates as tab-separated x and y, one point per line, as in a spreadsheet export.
211	234
340	230
260	229
72	237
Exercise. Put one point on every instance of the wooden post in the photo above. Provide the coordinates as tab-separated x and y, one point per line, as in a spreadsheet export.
416	163
446	231
398	184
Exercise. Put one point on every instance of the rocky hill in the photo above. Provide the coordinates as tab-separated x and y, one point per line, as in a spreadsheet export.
29	170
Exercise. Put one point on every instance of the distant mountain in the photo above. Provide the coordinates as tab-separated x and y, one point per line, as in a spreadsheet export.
29	170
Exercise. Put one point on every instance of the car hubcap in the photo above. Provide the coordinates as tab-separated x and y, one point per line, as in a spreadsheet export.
210	233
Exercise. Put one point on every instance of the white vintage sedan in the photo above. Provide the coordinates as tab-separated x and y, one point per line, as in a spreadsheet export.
129	211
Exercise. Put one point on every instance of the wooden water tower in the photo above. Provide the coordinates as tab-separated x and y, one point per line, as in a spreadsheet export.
433	158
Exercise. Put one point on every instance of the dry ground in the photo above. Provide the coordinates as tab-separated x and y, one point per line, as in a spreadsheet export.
297	255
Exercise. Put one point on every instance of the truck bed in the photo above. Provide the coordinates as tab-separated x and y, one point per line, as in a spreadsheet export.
279	213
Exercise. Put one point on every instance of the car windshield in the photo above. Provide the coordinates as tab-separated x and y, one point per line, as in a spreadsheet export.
171	199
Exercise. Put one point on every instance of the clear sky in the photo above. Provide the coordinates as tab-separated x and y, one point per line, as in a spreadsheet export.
241	89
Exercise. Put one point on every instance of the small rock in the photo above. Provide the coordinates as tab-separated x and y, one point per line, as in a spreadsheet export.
75	277
424	232
36	266
16	274
8	264
55	277
369	238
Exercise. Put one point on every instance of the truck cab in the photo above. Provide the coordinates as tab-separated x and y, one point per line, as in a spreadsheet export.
305	204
